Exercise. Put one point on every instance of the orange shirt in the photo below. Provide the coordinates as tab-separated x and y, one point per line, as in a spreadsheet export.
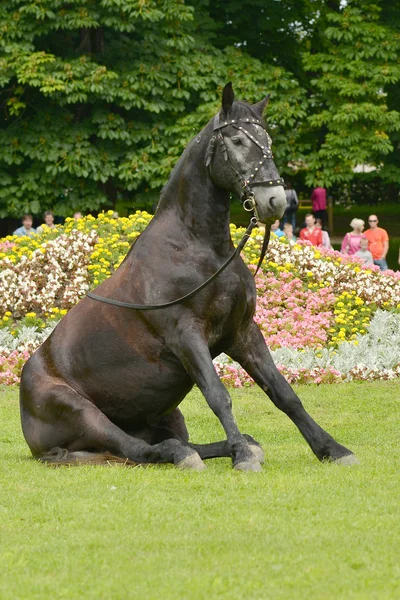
376	238
314	236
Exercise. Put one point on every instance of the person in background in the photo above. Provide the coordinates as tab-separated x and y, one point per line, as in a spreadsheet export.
364	253
378	242
326	241
77	216
288	231
318	200
311	233
276	230
291	207
48	218
352	240
26	229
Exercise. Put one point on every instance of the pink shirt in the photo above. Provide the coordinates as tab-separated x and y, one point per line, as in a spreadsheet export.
318	199
351	243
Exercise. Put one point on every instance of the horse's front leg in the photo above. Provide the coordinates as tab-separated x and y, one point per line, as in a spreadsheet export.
193	352
252	353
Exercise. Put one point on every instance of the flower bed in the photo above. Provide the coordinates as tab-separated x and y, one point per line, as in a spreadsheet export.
310	302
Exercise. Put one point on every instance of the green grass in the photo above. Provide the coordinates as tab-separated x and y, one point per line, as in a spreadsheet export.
297	530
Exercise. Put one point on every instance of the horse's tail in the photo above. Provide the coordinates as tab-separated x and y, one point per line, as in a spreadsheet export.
58	457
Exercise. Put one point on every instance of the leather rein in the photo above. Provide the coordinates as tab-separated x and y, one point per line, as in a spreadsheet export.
249	204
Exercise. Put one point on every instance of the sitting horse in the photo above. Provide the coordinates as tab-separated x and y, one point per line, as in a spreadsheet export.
109	379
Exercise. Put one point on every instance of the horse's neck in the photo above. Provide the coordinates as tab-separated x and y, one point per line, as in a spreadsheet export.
191	198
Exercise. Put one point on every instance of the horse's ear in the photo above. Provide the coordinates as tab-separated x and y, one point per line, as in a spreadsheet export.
261	106
227	98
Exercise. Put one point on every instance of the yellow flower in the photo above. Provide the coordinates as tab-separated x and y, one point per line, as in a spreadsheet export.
31	314
8	314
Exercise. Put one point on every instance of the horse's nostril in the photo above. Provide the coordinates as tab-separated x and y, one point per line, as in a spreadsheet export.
272	202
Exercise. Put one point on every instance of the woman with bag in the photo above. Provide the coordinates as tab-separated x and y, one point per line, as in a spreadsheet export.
351	241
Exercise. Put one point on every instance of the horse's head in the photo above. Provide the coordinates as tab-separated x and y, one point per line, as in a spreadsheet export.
239	157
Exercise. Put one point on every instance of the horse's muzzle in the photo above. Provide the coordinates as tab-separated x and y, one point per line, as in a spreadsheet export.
270	203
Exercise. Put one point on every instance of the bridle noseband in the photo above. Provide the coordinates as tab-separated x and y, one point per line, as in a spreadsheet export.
246	197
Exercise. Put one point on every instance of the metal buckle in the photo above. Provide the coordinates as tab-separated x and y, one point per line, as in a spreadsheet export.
249	204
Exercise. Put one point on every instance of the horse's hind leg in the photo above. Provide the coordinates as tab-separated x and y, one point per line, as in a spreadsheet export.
61	418
173	425
221	449
252	353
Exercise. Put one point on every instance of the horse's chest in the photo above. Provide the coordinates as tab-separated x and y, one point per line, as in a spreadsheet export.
233	306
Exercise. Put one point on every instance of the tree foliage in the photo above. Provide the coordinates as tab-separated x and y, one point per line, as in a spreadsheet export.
351	121
99	97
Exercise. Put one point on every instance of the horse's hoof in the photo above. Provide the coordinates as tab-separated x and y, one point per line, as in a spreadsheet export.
258	453
348	460
193	462
248	465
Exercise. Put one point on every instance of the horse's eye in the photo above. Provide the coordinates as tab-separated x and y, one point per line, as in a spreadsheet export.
236	140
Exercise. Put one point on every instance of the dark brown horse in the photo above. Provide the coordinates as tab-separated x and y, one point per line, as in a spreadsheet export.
110	379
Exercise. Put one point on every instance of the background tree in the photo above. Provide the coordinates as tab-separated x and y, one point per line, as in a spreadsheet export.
99	97
350	119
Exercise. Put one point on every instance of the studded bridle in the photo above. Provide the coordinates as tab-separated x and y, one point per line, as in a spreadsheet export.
247	198
246	184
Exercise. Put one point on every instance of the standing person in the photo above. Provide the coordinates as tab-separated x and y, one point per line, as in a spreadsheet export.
26	229
326	240
48	218
318	200
310	232
352	240
378	242
364	253
291	207
77	216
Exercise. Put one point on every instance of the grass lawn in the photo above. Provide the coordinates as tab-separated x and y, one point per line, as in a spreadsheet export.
297	530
